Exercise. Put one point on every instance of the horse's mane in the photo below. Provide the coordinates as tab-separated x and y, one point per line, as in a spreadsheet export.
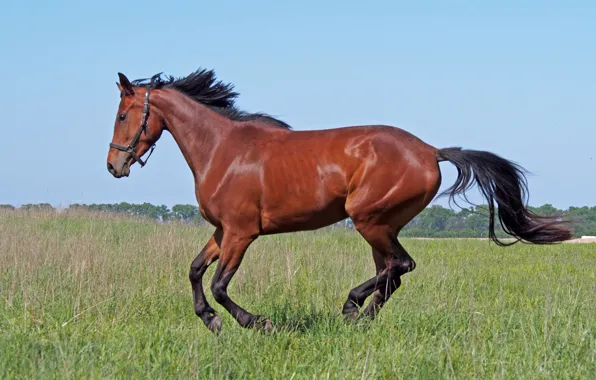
203	87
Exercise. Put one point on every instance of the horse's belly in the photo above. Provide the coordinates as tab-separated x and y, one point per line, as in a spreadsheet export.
300	216
302	193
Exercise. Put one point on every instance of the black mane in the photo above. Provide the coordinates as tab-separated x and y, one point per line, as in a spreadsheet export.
203	87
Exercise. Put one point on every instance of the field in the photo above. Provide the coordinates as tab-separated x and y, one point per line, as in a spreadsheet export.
90	296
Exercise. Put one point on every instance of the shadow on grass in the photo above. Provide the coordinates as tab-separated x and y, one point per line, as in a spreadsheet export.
286	320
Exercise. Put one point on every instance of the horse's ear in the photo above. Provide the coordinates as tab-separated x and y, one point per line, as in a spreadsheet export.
125	86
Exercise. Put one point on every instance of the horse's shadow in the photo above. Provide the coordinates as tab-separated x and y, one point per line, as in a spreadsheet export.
294	321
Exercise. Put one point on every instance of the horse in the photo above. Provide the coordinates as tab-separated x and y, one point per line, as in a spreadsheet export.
254	175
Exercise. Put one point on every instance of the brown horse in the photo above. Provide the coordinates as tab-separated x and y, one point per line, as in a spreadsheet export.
255	176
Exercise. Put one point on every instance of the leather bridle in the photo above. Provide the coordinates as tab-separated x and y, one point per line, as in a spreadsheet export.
130	149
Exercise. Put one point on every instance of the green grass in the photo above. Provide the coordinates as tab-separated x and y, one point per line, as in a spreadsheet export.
86	296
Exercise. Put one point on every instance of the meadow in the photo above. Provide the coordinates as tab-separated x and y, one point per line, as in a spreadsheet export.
85	295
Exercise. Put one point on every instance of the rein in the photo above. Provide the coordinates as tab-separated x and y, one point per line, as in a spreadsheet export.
130	149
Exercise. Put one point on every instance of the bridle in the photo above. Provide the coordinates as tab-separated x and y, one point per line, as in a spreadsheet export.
130	149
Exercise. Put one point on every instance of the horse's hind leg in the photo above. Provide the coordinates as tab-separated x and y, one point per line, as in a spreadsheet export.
208	255
386	289
391	261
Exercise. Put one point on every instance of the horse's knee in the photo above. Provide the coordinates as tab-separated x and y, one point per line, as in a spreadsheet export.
192	274
196	272
218	290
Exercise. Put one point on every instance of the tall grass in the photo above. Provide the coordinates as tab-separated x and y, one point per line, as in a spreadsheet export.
90	296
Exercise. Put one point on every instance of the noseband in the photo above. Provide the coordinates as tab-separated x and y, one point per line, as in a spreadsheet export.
130	149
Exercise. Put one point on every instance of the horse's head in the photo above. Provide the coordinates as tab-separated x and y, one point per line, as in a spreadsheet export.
136	130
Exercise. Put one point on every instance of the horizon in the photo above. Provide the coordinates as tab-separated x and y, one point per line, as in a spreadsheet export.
513	79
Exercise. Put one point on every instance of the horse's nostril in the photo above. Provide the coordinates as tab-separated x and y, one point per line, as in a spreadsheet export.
111	168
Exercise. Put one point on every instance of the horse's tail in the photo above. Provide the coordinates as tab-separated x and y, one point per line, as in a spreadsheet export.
503	182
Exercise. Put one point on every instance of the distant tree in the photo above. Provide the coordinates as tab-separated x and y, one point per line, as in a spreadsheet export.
37	207
7	207
587	218
477	222
546	210
160	213
186	214
433	218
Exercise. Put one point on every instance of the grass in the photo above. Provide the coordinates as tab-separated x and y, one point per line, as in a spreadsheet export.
89	296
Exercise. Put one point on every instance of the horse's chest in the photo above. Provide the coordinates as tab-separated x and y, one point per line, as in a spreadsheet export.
208	216
207	207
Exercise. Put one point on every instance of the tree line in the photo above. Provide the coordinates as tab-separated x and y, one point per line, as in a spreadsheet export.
159	213
434	221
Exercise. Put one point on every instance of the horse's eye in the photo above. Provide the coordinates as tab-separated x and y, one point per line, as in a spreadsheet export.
122	116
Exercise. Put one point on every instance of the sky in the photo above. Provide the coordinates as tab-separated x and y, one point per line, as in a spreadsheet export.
514	78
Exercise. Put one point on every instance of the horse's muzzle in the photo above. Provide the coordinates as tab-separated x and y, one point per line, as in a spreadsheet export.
123	172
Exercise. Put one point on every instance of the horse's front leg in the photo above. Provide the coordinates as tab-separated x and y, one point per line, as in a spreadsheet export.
233	248
208	255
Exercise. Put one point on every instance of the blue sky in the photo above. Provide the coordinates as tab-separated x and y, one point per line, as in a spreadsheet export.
514	78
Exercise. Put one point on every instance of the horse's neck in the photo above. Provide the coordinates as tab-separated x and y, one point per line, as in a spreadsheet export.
196	129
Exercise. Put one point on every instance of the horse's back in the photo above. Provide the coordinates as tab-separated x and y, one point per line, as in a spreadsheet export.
312	178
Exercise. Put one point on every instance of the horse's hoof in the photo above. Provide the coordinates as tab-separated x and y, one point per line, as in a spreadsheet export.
351	316
215	324
264	324
267	326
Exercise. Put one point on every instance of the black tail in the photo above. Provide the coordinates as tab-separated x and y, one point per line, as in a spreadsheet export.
503	182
